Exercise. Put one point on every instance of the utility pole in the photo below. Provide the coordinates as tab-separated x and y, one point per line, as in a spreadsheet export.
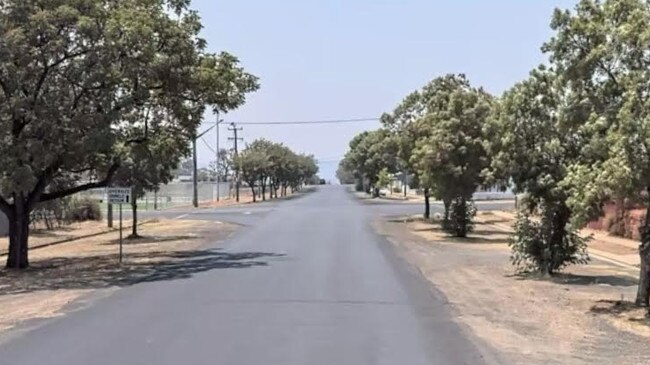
218	167
195	181
234	130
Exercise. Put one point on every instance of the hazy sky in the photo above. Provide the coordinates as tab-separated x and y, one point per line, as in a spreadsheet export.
358	58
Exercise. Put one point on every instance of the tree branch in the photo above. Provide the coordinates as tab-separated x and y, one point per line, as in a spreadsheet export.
99	184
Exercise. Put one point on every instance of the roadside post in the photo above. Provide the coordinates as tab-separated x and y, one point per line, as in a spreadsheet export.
119	196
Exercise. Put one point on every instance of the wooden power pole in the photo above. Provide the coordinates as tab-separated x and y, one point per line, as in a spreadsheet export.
234	138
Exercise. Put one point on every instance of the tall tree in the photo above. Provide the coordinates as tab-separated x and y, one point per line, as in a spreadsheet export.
250	163
148	165
451	158
224	164
75	78
601	50
263	161
369	153
533	143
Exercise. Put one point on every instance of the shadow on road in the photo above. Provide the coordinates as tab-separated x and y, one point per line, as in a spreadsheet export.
102	271
613	280
144	240
574	279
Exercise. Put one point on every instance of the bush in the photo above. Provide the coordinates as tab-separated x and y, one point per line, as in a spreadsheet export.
84	209
533	248
461	217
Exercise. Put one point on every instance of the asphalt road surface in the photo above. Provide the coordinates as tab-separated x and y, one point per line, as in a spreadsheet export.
304	281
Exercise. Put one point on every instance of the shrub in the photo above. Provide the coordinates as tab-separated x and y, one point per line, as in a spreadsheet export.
533	248
84	209
461	217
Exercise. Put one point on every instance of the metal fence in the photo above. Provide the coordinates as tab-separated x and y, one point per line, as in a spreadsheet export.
167	196
171	194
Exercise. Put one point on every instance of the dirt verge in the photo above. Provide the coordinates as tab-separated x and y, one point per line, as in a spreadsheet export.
583	316
61	274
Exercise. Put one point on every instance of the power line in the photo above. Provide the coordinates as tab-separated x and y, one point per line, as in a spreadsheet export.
330	121
208	145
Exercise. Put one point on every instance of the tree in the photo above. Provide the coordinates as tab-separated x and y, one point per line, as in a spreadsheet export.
251	163
148	165
223	165
307	170
265	146
600	49
369	153
451	158
406	129
345	173
263	161
383	178
69	110
534	146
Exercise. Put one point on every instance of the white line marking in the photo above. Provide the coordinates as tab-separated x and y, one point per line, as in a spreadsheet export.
181	216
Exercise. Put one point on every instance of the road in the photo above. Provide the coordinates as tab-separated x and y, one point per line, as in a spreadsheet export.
305	281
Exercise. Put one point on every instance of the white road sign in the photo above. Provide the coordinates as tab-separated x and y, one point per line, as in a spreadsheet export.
118	195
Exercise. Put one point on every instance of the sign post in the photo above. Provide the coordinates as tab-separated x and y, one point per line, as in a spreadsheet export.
119	196
120	233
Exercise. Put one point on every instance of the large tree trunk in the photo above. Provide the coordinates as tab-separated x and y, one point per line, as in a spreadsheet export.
643	292
134	212
253	191
560	219
461	225
427	204
18	235
263	189
447	205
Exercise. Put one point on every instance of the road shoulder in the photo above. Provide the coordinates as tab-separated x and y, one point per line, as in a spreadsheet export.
73	275
570	320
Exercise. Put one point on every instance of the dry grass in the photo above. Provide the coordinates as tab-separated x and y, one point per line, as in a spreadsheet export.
61	274
40	237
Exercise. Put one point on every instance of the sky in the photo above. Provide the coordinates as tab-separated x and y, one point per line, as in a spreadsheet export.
343	59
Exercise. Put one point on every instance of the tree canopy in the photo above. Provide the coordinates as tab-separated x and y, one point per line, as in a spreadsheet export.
264	163
83	82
